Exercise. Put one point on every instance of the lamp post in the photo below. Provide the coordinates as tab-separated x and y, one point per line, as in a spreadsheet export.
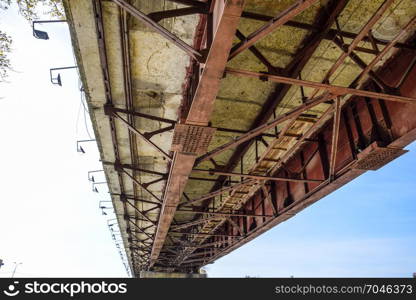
110	224
15	268
57	80
79	148
94	188
43	35
91	177
103	207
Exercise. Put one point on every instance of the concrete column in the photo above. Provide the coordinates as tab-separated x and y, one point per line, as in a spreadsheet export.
150	274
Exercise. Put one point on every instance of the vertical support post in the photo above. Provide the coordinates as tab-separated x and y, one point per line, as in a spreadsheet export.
303	166
335	137
323	155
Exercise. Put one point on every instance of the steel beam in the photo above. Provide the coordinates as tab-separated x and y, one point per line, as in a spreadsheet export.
140	184
266	29
134	198
149	22
208	86
206	245
335	138
355	58
196	260
222	214
179	12
194	3
139	229
267	196
330	34
192	223
109	108
405	132
124	41
325	19
386	49
198	114
363	33
256	52
117	164
352	46
255	132
97	9
141	135
202	234
229	220
257	177
218	192
333	89
302	140
143	215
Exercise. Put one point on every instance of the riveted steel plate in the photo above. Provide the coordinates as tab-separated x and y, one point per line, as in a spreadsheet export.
191	138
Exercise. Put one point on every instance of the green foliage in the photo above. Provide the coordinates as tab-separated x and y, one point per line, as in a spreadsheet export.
5	42
29	9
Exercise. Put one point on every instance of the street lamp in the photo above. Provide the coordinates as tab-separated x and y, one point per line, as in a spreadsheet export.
94	188
113	236
111	224
43	35
103	207
57	80
91	177
79	148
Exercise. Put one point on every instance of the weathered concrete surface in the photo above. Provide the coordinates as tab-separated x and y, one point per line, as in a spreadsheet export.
158	71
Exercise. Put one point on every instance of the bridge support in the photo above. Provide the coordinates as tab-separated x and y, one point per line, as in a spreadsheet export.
149	274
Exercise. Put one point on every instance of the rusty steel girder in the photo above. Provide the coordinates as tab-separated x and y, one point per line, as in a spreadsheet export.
228	15
372	132
329	163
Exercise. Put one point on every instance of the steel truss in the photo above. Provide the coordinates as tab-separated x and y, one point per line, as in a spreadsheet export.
266	199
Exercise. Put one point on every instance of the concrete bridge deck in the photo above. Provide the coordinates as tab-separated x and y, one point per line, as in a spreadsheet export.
217	120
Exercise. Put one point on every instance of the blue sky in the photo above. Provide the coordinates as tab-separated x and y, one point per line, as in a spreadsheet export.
50	221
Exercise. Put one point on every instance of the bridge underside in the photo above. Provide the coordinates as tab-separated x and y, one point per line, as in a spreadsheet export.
217	120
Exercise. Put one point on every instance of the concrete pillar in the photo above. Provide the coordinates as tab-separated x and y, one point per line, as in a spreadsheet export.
150	274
